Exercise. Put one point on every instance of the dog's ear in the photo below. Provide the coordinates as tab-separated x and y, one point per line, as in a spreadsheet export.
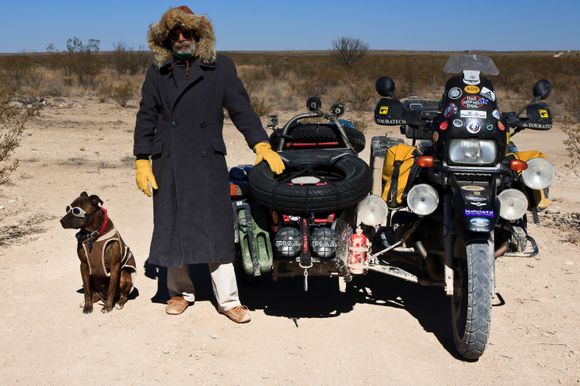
84	195
95	200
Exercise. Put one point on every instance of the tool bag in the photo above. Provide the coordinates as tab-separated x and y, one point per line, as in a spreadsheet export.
399	172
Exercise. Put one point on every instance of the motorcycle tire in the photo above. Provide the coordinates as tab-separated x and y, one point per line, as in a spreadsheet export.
472	297
348	182
313	133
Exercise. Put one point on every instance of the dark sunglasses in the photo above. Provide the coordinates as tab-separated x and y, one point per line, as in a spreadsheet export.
187	34
76	211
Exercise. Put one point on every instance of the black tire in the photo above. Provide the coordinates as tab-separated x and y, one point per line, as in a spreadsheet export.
314	132
347	180
471	300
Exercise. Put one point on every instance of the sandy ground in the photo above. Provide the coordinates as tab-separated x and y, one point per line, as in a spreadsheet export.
387	332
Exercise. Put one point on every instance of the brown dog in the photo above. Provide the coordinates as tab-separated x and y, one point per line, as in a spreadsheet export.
106	262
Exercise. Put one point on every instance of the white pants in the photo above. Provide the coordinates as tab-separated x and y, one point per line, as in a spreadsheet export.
223	280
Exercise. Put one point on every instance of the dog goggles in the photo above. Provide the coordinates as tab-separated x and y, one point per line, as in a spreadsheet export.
76	211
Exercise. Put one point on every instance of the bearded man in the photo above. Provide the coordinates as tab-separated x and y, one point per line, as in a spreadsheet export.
181	155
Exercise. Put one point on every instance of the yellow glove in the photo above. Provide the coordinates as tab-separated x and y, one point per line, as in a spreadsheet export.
263	152
144	176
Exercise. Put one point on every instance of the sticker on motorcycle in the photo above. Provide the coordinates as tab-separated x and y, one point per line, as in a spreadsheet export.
435	136
495	114
473	126
450	110
544	113
489	126
383	110
500	126
473	188
443	125
473	114
489	94
471	77
454	93
471	89
457	123
476	198
473	102
478	213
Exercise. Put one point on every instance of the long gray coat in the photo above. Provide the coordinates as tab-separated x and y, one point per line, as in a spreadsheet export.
181	129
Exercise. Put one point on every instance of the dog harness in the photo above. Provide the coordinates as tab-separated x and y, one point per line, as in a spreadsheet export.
95	252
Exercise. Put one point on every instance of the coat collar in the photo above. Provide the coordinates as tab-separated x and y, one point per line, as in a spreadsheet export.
196	72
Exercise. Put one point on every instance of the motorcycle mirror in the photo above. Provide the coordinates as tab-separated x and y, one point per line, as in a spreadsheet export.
542	89
313	103
385	86
337	109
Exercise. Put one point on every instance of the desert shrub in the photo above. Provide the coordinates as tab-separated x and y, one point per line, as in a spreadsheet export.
121	91
572	144
128	61
348	50
12	122
17	71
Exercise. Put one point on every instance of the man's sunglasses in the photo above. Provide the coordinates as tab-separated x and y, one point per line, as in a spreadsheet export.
187	34
76	211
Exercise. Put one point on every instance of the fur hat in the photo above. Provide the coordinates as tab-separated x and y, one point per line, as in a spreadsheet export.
185	18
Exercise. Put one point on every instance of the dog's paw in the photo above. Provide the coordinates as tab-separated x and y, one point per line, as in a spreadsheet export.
87	309
106	309
119	306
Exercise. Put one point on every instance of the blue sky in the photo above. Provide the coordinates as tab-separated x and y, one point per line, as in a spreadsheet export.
304	24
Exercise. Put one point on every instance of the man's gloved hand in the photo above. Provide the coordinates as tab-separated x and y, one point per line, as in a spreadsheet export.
263	152
144	176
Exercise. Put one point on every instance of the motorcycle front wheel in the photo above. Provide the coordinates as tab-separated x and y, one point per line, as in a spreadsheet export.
473	284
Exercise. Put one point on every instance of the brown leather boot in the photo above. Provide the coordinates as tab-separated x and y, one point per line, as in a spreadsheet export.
176	305
239	314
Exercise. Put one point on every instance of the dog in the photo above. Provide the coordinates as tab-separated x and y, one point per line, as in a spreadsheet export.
107	263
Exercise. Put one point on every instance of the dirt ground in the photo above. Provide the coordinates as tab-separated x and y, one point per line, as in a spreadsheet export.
387	331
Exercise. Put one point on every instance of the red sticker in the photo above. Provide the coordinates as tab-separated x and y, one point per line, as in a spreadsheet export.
500	126
443	125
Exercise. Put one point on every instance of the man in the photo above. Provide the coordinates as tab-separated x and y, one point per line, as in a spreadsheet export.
179	127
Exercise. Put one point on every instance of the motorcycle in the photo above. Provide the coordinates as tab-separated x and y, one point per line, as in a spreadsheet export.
300	223
458	197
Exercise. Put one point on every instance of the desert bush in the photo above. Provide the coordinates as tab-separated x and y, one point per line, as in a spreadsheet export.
17	71
572	144
12	122
121	91
348	50
128	61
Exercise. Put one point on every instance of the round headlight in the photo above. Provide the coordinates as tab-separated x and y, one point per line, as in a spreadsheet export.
372	210
323	242
539	174
422	199
288	242
513	204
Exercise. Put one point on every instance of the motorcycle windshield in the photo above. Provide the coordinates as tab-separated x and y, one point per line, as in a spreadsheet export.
471	62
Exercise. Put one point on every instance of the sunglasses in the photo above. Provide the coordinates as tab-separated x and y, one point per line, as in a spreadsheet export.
187	34
76	211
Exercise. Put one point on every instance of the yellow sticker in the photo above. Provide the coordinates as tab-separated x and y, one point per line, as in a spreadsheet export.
471	89
435	136
544	113
384	110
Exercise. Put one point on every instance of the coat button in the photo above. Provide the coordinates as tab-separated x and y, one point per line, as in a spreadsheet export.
173	123
203	124
204	153
166	154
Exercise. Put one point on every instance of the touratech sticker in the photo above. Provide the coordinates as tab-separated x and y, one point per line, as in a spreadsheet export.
473	102
488	94
382	121
455	93
471	89
473	126
473	114
495	114
457	123
473	188
489	126
539	125
450	110
383	110
478	213
544	113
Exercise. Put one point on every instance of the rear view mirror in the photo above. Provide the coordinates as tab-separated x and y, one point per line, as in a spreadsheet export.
313	103
542	89
385	86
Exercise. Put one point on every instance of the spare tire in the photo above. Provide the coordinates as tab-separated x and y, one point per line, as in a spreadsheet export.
314	180
318	132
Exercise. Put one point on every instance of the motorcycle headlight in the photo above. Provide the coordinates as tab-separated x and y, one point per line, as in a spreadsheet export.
422	199
472	151
539	174
513	204
372	210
